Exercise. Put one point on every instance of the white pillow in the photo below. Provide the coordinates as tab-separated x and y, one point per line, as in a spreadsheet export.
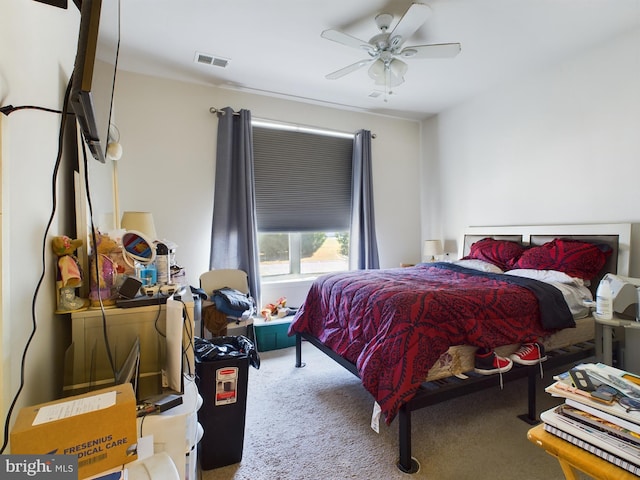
480	265
548	276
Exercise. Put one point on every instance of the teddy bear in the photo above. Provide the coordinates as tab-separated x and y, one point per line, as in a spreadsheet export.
102	284
68	274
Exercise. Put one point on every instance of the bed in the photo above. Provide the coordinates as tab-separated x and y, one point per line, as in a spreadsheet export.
410	334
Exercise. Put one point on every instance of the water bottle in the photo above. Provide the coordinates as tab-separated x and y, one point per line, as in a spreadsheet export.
604	300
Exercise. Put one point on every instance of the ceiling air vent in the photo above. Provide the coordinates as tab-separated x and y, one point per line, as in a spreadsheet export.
208	59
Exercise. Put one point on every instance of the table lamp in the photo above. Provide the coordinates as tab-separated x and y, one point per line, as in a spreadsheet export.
432	248
140	222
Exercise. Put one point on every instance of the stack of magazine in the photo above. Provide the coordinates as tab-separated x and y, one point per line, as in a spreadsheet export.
601	413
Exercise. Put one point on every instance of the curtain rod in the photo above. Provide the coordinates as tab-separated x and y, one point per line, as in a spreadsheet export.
220	111
216	111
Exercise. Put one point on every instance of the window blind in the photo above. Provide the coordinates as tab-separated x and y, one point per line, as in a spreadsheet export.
302	181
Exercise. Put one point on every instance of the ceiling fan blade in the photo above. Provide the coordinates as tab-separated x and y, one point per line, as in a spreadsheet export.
348	69
413	18
436	50
348	40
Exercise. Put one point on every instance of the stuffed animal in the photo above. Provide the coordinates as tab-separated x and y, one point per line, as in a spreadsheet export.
102	287
278	309
68	274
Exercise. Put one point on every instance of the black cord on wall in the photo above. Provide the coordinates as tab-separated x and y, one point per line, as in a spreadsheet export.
7	110
54	204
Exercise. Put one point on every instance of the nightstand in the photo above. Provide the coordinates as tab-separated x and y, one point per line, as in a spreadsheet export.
605	331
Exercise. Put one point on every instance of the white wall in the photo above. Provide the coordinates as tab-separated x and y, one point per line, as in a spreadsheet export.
561	146
168	137
37	48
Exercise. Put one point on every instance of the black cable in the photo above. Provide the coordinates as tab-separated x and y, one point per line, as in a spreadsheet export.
9	109
54	182
95	260
142	424
186	325
157	319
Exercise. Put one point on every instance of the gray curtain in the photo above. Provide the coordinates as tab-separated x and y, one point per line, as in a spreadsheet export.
363	248
234	234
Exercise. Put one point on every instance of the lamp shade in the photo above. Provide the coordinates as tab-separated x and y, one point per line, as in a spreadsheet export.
432	248
390	74
140	222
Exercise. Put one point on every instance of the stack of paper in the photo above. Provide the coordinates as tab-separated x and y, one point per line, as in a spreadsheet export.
601	413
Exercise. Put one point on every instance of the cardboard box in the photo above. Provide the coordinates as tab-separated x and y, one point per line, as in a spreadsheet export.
99	426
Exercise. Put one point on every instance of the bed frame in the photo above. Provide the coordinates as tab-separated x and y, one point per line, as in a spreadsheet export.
618	236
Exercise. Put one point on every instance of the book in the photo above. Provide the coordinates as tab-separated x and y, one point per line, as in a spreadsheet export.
631	426
626	383
564	387
605	441
600	373
609	457
599	423
560	389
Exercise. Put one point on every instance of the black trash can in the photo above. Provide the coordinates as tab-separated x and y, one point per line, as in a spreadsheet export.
222	372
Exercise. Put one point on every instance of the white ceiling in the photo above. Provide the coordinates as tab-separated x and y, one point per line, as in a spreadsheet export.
274	46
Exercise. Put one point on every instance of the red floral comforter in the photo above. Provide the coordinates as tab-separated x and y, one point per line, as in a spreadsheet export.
394	324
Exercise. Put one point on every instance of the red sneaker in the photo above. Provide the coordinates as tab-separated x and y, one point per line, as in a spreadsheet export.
529	354
490	363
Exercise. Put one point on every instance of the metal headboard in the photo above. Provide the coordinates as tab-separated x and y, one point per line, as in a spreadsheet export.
615	235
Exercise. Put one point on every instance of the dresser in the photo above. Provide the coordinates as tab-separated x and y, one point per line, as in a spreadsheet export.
87	364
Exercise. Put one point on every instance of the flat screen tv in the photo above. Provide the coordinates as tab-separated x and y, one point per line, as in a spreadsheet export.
94	72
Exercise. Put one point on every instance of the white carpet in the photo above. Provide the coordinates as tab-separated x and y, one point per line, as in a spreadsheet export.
314	423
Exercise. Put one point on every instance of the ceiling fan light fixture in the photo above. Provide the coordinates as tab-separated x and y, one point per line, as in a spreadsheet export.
395	81
398	68
389	74
376	71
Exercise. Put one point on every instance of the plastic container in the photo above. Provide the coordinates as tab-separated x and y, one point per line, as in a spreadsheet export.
273	334
604	300
148	274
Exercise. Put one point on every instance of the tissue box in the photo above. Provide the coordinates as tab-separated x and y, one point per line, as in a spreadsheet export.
99	427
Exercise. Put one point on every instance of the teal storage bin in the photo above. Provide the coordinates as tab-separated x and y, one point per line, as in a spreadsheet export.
272	335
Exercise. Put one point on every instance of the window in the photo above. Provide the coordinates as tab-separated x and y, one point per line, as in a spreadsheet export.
303	201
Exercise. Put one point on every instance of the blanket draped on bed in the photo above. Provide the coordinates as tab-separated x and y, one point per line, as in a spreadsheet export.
394	324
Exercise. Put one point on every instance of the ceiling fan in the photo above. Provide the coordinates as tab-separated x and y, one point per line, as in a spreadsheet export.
386	49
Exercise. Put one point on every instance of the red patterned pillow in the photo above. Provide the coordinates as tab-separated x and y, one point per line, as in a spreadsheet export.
573	257
502	253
